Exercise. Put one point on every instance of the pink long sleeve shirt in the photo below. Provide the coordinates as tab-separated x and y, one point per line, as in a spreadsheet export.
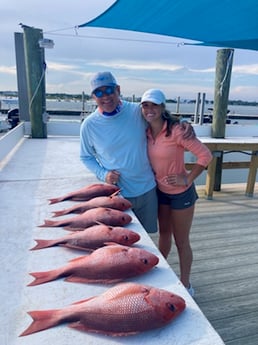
166	155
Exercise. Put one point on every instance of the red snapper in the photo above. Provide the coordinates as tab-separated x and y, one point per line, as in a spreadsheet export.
125	309
88	218
106	265
92	238
114	201
87	192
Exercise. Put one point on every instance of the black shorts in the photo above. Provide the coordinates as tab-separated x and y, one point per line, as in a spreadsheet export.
179	201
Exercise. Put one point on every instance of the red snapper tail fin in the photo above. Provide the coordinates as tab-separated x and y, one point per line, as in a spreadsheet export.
43	244
43	277
42	319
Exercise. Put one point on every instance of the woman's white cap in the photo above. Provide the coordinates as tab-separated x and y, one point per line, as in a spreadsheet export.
155	96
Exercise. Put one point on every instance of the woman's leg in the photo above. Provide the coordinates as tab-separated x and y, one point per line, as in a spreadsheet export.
165	229
182	222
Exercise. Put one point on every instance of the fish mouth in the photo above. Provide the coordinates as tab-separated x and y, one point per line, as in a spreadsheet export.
155	261
150	261
178	305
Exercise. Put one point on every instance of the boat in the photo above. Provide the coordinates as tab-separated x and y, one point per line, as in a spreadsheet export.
4	124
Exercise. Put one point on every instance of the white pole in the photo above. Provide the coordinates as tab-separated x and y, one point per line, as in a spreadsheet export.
202	109
178	104
197	105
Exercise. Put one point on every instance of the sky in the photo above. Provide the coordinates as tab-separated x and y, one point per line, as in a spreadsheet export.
138	61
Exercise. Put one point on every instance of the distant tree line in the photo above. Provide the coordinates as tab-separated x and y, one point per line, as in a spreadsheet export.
67	96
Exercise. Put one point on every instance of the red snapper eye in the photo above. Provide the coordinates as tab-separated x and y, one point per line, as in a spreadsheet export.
171	307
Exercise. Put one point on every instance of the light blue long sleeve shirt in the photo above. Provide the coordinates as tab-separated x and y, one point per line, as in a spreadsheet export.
118	142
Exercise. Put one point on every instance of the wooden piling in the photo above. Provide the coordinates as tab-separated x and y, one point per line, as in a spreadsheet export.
222	85
21	77
35	71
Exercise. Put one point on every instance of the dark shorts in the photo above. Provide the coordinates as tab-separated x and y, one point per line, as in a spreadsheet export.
179	201
145	208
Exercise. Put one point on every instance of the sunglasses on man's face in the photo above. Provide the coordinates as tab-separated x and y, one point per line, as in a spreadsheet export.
108	91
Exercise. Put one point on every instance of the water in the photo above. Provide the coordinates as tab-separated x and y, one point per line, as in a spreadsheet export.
234	109
188	108
242	110
184	108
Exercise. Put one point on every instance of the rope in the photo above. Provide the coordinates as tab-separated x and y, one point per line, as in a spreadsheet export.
37	88
76	34
244	152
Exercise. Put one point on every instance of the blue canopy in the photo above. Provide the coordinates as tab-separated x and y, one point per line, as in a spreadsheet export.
219	23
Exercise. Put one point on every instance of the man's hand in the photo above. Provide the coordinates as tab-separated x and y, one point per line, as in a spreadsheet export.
112	177
187	130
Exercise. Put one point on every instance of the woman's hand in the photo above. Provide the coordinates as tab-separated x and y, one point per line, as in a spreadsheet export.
176	179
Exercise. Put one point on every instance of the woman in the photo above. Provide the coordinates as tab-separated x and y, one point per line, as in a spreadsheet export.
176	190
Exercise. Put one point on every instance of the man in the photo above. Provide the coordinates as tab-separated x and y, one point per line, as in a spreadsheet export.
114	147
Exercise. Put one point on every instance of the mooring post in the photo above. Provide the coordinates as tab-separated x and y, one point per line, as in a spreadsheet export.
202	109
224	63
197	107
177	105
21	77
222	85
35	71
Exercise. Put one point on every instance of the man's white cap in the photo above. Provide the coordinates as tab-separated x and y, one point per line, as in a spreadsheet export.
154	96
102	79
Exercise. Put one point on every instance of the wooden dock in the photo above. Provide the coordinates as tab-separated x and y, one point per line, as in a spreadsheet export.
224	239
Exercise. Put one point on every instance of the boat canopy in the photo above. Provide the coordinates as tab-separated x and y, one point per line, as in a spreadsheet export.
218	23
